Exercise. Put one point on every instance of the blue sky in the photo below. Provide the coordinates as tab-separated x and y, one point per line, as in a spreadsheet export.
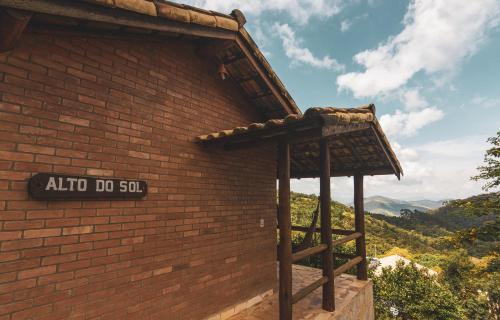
431	67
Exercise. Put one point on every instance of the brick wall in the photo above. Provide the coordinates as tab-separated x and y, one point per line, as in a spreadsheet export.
128	108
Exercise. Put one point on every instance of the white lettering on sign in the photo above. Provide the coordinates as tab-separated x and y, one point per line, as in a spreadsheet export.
51	185
60	187
109	185
72	183
80	184
130	186
45	186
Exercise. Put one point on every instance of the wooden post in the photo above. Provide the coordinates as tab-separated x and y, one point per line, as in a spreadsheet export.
326	227
359	222
12	24
285	224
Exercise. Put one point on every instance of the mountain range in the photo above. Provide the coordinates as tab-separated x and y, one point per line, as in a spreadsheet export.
392	207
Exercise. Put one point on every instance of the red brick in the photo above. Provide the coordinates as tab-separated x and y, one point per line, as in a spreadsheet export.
25	274
77	230
42	233
36	149
74	265
16	156
75	121
10	235
40	252
9	107
20	244
99	172
32	312
76	247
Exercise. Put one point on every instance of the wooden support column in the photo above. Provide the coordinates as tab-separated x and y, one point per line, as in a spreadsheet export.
285	224
326	227
359	222
12	24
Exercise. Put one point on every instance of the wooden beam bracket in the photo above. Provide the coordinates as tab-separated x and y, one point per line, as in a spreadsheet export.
12	24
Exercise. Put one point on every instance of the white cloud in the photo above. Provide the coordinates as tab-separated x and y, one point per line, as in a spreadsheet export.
299	10
301	55
417	114
413	100
407	124
485	102
345	25
262	38
437	36
436	170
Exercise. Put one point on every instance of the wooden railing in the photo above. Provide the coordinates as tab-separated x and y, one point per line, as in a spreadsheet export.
353	260
326	248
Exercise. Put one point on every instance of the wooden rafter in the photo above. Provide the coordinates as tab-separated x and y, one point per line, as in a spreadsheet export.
12	24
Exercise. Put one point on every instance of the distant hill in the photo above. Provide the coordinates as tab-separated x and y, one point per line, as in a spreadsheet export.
392	207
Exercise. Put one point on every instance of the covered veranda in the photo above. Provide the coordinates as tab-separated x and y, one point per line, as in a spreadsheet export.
324	143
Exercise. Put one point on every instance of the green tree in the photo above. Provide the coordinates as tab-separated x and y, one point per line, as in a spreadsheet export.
408	293
490	171
459	274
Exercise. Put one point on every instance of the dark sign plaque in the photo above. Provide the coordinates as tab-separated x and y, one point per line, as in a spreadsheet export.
49	186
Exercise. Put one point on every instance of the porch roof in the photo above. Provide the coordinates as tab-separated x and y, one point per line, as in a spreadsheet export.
357	143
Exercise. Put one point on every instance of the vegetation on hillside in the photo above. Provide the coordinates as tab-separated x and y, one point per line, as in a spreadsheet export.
490	170
459	240
468	271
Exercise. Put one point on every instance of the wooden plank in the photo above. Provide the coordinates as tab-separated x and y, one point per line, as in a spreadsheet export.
251	77
326	226
277	94
90	12
285	233
261	95
344	255
250	139
346	266
12	24
352	236
214	48
297	256
345	173
386	153
302	293
335	129
334	231
359	223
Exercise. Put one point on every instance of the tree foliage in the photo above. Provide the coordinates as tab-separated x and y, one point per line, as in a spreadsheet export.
459	242
469	284
408	293
490	171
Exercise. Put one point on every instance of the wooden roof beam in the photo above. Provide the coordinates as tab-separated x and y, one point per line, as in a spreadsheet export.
86	11
382	146
345	173
353	150
261	95
248	78
12	24
260	70
214	48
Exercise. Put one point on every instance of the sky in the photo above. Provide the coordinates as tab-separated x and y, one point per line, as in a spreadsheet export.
431	67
